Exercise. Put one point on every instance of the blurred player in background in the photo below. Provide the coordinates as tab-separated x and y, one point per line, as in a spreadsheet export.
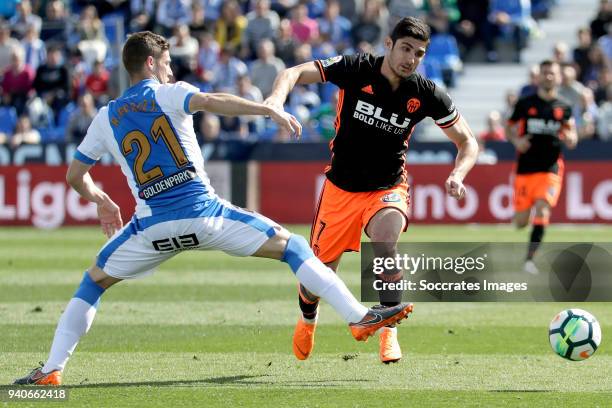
540	124
149	132
381	100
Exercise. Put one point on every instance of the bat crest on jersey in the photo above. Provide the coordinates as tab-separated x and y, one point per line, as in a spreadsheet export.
331	60
374	116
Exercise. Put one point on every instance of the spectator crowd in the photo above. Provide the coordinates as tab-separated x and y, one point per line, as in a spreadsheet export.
60	59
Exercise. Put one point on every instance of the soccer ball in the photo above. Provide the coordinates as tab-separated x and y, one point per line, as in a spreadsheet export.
574	334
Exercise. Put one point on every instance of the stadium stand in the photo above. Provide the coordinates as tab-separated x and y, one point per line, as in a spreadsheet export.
215	43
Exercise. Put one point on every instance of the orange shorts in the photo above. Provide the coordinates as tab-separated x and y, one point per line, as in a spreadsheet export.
536	186
342	215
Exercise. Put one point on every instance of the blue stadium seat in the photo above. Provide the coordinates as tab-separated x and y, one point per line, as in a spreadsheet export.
8	119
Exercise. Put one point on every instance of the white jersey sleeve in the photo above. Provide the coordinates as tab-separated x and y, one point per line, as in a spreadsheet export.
93	145
176	96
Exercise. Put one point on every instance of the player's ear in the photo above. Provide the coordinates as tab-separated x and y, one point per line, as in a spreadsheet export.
388	43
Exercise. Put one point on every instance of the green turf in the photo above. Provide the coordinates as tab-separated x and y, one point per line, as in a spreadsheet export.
211	330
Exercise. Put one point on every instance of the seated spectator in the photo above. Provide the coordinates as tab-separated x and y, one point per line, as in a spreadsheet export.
580	54
210	127
494	131
571	90
512	20
40	113
266	67
80	119
316	8
78	71
605	43
198	24
262	24
142	14
230	27
246	90
335	28
183	51
97	83
368	27
399	9
212	10
603	85
597	63
171	13
24	134
51	82
24	17
561	53
304	28
55	24
18	80
34	48
226	72
604	124
90	36
588	114
208	57
474	27
599	25
285	43
442	16
7	45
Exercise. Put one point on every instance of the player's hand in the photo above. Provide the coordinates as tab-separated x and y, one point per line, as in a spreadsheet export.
522	144
287	121
569	138
454	187
110	217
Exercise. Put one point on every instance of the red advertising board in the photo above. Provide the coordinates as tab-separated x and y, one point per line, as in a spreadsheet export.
38	195
288	193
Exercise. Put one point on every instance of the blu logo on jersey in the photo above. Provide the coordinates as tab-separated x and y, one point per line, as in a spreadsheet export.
373	115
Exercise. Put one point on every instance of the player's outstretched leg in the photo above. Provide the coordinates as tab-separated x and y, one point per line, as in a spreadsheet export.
304	332
74	323
323	282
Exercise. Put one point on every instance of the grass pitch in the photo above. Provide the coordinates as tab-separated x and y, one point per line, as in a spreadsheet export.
211	330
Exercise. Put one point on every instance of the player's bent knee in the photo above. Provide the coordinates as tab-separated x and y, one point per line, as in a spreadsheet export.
296	252
89	291
101	278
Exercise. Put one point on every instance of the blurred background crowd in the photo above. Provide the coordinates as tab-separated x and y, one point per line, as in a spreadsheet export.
60	59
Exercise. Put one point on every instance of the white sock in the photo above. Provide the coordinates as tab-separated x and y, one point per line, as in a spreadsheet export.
75	322
323	282
393	329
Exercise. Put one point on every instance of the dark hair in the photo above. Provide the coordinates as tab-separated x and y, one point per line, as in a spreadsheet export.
549	63
139	46
411	27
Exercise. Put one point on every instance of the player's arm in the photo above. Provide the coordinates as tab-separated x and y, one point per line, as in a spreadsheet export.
467	153
568	133
303	74
80	180
231	105
521	143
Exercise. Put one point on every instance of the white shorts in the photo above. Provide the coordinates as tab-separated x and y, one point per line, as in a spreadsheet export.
143	244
